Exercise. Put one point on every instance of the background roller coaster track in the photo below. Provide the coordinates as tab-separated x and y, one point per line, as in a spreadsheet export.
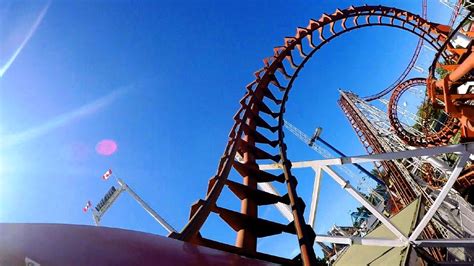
441	137
410	65
259	102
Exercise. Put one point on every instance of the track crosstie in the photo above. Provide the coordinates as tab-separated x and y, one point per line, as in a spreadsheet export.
255	139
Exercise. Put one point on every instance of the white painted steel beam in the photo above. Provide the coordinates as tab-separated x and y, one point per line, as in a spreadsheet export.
360	241
442	195
315	197
152	212
284	209
463	242
440	164
362	200
464	149
273	166
425	152
301	164
459	148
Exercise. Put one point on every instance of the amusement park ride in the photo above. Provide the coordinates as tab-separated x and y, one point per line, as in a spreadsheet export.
428	166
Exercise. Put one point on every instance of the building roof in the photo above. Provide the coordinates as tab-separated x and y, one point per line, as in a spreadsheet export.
405	220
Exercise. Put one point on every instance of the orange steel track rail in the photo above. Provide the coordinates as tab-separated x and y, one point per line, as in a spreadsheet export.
456	105
255	139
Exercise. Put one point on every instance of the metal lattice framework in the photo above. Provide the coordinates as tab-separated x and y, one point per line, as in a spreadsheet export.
259	105
376	145
403	188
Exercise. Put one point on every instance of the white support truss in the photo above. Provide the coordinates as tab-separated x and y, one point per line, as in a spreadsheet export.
465	150
315	197
97	214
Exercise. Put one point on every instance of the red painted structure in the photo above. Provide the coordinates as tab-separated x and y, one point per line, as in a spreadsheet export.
59	244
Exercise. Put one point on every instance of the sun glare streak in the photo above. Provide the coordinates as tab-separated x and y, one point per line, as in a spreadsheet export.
60	120
30	33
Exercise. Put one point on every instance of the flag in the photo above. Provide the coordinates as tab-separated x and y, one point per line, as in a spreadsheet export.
88	205
107	174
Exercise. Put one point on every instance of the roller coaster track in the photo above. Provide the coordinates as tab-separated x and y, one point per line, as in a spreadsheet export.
429	139
410	66
456	11
255	139
451	126
441	53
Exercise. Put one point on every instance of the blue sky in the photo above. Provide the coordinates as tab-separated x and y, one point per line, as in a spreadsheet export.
163	79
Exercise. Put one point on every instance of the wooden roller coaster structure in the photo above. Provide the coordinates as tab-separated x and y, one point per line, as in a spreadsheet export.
264	101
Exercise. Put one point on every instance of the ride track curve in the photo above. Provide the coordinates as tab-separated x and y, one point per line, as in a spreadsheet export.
451	126
441	137
411	64
244	135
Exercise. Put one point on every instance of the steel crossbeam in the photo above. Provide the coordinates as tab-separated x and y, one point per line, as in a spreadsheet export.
325	165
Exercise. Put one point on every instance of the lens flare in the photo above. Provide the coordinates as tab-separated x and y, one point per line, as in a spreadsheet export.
106	147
